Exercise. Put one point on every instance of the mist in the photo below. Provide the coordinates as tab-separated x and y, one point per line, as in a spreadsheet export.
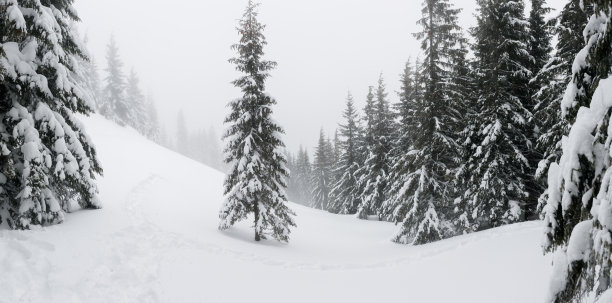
324	49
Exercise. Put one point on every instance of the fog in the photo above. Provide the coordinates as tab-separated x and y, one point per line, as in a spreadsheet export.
324	49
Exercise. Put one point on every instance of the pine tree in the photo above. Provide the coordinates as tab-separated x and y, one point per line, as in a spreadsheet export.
322	174
136	101
345	198
554	76
496	191
429	165
579	207
114	103
47	162
256	182
373	175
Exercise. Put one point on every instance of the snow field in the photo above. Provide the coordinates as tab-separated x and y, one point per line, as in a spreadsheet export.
156	240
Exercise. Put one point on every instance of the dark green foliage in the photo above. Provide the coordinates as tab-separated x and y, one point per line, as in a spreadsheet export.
256	181
345	198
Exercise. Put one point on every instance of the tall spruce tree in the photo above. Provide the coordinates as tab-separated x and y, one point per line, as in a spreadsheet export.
138	118
47	161
579	206
115	105
554	76
256	181
498	170
322	173
301	176
540	36
373	174
431	161
344	193
404	111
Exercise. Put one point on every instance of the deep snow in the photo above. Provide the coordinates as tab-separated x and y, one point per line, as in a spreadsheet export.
156	240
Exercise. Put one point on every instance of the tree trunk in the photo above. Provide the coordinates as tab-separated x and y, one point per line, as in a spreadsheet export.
256	209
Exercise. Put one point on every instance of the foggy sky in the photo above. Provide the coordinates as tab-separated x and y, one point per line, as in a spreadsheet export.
324	49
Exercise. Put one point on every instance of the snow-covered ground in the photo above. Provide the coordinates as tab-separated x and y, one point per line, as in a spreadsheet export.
156	240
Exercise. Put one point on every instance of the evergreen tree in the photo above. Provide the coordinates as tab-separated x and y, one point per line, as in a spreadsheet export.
431	161
303	177
554	76
344	193
539	49
374	173
47	162
136	101
256	182
322	174
115	105
154	130
89	77
498	170
182	143
404	110
579	206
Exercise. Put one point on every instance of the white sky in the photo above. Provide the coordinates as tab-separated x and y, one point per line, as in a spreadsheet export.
324	48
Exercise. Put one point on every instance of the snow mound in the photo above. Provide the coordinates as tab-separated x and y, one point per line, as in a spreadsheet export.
156	240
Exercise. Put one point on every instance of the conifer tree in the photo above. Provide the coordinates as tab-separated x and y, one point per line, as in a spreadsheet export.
373	175
431	161
498	170
256	181
303	177
47	161
322	173
137	105
555	76
539	49
579	201
154	130
115	105
404	110
344	193
182	136
89	77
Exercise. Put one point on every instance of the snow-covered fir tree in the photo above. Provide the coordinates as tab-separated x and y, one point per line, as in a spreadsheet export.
48	164
322	173
554	76
344	193
374	173
182	143
90	77
154	130
138	114
579	207
404	111
431	161
256	180
301	178
115	105
498	170
540	35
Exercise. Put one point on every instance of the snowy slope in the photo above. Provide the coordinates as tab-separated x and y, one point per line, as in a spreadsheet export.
156	240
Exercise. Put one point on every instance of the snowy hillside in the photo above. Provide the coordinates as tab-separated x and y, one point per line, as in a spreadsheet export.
156	240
